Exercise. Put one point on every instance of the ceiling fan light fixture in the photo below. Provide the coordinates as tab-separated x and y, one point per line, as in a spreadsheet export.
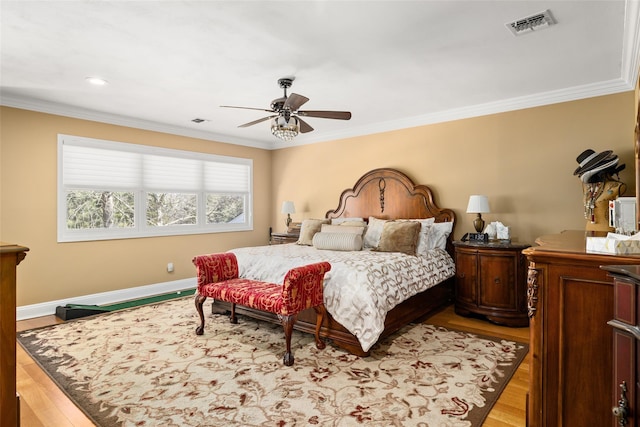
285	129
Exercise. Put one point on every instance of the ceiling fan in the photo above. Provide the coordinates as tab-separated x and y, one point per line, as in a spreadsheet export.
285	118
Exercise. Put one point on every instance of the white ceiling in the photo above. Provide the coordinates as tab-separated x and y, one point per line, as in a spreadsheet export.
393	64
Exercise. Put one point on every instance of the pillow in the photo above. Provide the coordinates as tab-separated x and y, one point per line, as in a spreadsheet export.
327	228
308	228
438	234
374	230
338	221
353	224
338	241
399	236
423	238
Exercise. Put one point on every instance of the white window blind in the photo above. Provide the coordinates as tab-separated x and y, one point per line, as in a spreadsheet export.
91	167
164	173
226	177
96	165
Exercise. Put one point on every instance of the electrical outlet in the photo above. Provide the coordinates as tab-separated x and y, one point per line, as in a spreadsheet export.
170	267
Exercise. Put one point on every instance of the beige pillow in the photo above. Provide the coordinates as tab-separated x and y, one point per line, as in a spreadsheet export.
328	228
308	229
353	224
341	220
399	236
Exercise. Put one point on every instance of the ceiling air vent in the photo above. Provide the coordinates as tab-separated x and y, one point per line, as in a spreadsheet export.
536	22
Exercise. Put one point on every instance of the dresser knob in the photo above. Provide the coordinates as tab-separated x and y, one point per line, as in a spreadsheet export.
496	280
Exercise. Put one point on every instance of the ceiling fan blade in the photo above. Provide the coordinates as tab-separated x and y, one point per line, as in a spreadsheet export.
257	121
247	108
304	126
295	101
340	115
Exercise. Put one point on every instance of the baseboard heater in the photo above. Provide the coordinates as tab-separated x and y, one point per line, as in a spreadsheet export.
75	311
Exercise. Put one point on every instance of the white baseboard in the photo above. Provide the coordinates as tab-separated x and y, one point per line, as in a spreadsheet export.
112	297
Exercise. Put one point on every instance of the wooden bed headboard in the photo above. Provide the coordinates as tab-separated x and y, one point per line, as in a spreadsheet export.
389	194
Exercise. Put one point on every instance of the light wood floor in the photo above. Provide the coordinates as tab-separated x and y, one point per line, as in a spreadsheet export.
43	404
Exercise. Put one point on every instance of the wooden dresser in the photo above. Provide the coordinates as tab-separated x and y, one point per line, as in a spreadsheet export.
10	255
570	300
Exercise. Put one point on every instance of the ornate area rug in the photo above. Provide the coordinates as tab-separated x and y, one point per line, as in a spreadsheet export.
147	367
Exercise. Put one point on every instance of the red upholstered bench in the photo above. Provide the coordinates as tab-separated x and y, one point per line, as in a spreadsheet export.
301	289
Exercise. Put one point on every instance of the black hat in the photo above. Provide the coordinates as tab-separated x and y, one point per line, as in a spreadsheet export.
589	159
603	175
596	173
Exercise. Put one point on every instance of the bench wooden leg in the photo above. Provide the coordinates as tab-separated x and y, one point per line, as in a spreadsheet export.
232	318
199	300
320	311
287	324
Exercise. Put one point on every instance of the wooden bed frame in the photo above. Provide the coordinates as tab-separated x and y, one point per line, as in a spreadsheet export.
386	194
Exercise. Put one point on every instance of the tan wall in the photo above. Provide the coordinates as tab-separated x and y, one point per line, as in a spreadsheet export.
54	270
522	160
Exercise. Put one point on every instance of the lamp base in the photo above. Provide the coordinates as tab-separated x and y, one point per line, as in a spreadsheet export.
478	223
288	220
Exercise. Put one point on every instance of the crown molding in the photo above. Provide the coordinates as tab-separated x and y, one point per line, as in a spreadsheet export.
32	104
512	104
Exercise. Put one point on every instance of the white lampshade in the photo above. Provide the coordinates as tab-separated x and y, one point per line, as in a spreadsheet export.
478	204
288	207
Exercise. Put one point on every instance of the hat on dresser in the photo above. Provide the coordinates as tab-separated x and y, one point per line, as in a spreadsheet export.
588	159
597	172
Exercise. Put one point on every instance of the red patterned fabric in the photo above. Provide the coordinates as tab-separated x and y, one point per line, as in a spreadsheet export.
215	268
301	289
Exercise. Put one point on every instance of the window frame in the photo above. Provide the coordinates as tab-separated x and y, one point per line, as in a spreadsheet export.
140	228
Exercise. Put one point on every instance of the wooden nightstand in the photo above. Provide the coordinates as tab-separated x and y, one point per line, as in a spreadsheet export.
491	280
281	238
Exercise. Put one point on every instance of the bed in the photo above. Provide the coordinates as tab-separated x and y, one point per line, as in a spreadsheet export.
359	312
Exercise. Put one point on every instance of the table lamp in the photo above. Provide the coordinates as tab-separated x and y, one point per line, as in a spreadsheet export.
288	208
478	204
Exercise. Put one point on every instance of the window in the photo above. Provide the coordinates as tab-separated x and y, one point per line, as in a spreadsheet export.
114	190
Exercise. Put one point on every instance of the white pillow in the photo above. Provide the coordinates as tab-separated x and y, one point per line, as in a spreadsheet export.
328	228
437	235
373	233
423	238
338	241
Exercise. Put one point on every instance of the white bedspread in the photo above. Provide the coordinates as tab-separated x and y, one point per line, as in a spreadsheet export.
362	286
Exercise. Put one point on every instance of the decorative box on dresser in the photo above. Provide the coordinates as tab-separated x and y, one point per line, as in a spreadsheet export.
570	302
10	256
491	280
626	343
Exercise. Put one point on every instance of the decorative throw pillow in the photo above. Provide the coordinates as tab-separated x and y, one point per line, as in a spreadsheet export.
308	229
338	241
399	236
438	234
374	230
